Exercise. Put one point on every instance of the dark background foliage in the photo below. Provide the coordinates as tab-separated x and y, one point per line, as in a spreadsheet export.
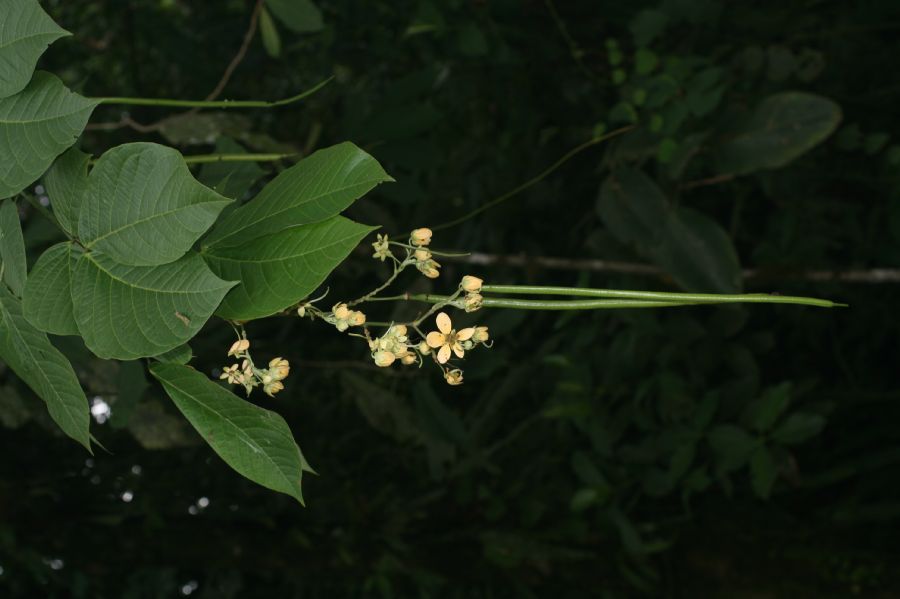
733	452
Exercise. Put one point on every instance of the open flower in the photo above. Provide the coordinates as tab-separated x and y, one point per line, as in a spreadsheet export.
447	339
239	347
233	374
382	248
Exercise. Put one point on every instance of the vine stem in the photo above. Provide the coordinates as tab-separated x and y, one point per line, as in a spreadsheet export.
658	296
213	103
207	158
534	180
398	268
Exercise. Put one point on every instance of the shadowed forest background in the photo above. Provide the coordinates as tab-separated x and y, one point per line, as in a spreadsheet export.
747	451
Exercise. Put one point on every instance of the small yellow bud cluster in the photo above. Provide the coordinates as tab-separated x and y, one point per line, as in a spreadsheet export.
391	346
472	286
249	376
424	261
382	248
343	317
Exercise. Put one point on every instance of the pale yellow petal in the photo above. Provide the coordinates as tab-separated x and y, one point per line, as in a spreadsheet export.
443	323
465	334
443	354
435	339
458	350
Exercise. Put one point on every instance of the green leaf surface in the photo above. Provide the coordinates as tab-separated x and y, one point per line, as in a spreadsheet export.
731	445
37	125
313	190
692	248
783	127
798	427
143	207
66	184
763	472
47	301
129	312
277	271
25	33
180	355
231	179
268	31
12	248
256	442
29	353
300	16
764	412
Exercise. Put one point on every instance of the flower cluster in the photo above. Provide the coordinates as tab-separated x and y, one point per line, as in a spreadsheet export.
424	261
391	346
448	341
343	317
249	376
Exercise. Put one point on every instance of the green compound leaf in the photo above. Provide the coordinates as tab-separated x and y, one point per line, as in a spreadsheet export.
25	33
129	312
12	248
301	16
314	189
783	127
47	301
66	184
277	271
143	207
37	125
257	443
29	353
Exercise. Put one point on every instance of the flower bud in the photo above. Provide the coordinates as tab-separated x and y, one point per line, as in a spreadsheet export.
279	368
239	347
473	302
454	377
480	335
383	359
471	284
408	359
272	388
357	319
420	237
340	311
422	255
424	348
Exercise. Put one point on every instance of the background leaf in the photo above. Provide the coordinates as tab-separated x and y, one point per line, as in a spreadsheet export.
47	301
31	356
231	179
128	312
301	16
798	427
12	248
763	472
25	33
37	125
163	213
257	443
783	127
314	189
277	271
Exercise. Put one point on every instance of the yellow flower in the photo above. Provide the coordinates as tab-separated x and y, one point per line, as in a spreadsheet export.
341	311
420	237
272	388
383	359
356	319
423	348
429	268
447	339
480	335
234	376
471	284
454	377
239	347
381	247
409	359
422	255
473	302
279	368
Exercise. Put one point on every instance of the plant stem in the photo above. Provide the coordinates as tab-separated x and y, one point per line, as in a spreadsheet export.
398	268
206	158
656	296
520	304
213	103
534	180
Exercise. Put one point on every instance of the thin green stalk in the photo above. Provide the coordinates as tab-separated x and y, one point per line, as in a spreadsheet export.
692	298
206	158
534	180
213	103
545	304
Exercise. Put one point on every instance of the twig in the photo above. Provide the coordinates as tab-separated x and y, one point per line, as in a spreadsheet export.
873	276
239	57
